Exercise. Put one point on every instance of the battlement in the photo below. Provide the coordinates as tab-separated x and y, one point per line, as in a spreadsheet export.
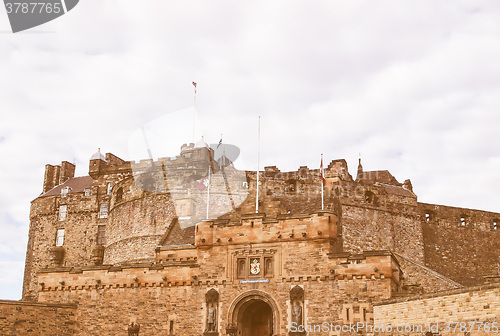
374	265
255	228
369	264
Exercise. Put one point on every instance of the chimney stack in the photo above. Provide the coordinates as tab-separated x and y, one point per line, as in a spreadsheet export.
67	171
51	178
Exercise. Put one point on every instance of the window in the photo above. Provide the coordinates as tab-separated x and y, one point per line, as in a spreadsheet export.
463	221
62	212
101	234
60	237
370	197
495	225
103	211
171	328
244	185
428	217
109	188
65	191
86	191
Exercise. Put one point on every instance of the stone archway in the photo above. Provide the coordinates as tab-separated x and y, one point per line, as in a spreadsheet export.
253	313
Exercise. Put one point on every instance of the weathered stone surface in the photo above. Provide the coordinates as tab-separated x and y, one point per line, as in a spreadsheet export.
141	248
41	319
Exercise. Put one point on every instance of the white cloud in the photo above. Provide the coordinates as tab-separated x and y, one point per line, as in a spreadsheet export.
413	86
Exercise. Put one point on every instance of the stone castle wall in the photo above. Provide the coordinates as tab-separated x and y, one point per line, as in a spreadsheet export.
464	307
80	237
463	250
40	319
109	298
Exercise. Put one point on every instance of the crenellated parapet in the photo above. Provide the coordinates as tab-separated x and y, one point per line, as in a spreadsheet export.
256	228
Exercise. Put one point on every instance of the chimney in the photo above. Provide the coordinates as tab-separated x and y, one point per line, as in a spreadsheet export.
51	178
67	171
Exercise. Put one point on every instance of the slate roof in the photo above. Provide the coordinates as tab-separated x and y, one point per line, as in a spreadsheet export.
77	184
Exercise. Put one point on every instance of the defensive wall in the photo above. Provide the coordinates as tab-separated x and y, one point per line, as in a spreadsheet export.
109	298
466	311
462	244
37	319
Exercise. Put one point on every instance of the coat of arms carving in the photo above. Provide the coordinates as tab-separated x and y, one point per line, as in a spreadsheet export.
255	266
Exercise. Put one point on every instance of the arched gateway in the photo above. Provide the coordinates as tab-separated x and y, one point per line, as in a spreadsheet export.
253	313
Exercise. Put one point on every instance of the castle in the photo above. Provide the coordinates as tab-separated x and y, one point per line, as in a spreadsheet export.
191	246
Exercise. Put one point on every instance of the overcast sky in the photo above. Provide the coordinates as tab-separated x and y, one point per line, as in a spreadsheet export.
414	86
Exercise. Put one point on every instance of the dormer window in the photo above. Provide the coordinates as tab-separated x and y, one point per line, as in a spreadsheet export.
65	191
244	185
62	212
109	188
103	211
86	191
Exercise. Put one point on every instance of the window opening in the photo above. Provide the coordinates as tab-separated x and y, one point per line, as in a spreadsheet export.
60	237
62	212
103	211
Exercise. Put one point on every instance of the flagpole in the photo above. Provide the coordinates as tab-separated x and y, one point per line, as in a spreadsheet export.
258	168
208	190
194	108
322	178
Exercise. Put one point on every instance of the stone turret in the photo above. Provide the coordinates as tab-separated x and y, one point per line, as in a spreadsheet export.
359	175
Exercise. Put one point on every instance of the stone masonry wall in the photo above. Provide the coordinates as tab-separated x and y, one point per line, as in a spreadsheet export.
109	298
29	319
366	228
464	252
136	226
419	278
466	307
80	234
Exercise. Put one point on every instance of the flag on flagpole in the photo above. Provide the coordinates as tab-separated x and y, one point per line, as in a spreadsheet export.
202	184
194	84
220	142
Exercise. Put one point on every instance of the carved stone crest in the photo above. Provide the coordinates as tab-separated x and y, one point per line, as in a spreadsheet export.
255	266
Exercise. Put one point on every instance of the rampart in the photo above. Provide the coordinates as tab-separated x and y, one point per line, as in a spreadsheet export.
466	311
462	244
41	319
110	298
